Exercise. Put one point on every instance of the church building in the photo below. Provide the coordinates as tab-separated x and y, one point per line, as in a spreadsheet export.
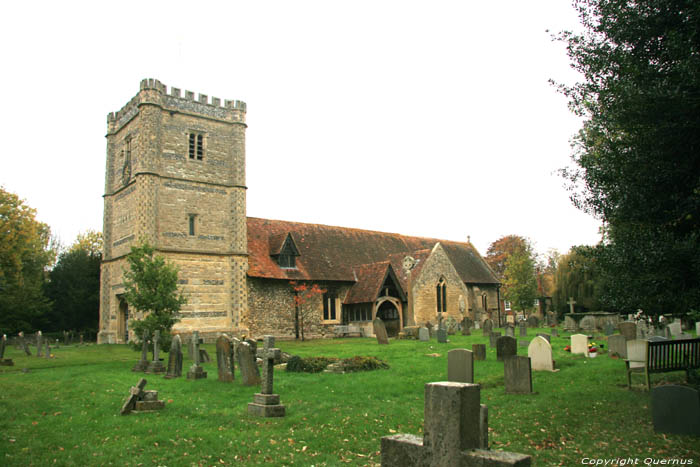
175	177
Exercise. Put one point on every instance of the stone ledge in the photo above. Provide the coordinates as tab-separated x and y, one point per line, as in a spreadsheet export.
266	410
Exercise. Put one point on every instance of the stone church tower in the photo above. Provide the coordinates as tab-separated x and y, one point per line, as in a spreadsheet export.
175	177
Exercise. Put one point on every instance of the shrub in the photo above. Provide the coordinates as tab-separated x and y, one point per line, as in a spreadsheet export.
309	364
363	364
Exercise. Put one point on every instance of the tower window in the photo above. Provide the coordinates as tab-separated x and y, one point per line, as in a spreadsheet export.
441	296
191	218
196	146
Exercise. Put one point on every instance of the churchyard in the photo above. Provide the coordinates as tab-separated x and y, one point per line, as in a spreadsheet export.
65	410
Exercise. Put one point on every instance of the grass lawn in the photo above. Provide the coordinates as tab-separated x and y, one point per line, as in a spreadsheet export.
65	411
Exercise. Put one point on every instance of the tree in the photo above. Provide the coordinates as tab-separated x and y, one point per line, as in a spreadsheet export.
499	251
150	286
578	276
74	285
638	152
25	254
303	309
520	281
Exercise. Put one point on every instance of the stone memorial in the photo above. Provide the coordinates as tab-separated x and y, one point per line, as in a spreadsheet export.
540	353
587	324
675	410
39	344
617	346
142	364
608	329
23	343
204	355
250	375
460	366
380	331
628	329
442	336
467	324
479	351
156	366
547	337
455	433
4	361
517	375
579	344
224	358
196	370
510	330
451	326
140	400
423	334
174	359
675	328
47	349
643	330
555	332
493	337
506	346
533	321
486	327
522	326
267	403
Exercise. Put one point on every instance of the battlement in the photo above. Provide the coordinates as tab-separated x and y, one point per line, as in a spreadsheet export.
230	110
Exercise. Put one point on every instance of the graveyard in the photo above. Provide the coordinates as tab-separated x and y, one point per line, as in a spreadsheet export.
65	409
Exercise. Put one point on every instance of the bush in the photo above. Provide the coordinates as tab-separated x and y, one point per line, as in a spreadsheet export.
363	364
318	364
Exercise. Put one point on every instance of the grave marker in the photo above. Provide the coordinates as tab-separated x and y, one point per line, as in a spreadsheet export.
442	336
517	375
39	343
23	343
380	331
540	353
250	375
486	327
587	324
506	346
510	330
479	351
617	346
571	304
175	359
423	334
140	400
48	349
460	366
547	337
523	329
266	403
555	332
142	364
156	366
628	329
533	321
579	344
675	328
224	359
493	337
676	410
196	370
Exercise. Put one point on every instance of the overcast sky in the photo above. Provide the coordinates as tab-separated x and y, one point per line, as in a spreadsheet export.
432	119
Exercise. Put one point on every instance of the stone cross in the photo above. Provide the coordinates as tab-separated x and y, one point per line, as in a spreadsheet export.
196	371
156	366
156	347
270	354
195	346
571	304
142	364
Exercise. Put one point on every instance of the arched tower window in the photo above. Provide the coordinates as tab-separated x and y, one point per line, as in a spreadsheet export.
441	296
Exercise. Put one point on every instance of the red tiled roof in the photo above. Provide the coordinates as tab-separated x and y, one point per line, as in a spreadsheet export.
370	278
329	253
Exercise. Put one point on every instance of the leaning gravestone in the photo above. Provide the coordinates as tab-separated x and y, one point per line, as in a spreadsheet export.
517	375
224	358
579	344
617	346
175	359
493	337
540	353
142	364
487	326
628	329
460	366
250	375
156	366
423	334
506	346
196	370
23	343
676	410
140	400
266	403
380	331
479	351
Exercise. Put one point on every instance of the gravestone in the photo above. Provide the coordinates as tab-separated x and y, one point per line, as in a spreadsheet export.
204	355
442	336
380	331
540	353
683	335
506	346
675	328
555	332
140	400
479	351
547	337
493	337
4	361
510	331
451	326
533	321
628	329
487	326
175	359
467	324
250	375
156	366
617	346
587	324
579	344
460	366
608	329
676	410
224	358
455	433
196	370
23	343
517	375
142	364
39	344
697	329
48	349
65	337
267	403
423	334
523	343
643	330
523	328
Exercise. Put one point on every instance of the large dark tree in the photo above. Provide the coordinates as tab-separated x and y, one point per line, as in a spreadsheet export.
638	153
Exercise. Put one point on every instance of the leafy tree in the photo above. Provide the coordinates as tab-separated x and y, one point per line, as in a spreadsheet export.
499	251
25	253
150	286
578	276
304	294
638	152
520	281
74	285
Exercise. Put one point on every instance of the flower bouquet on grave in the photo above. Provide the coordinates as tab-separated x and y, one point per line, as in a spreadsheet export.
592	350
567	348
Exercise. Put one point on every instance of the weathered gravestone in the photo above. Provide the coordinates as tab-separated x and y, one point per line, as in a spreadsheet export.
608	329
675	328
455	433
628	329
204	355
140	400
479	351
47	354
196	370
4	361
460	366
423	334
142	364
533	321
23	343
451	326
540	353
224	358
175	359
506	346
250	375
676	410
617	346
156	366
555	332
442	336
486	327
266	403
587	324
546	337
467	324
510	330
493	337
579	344
517	375
522	326
380	331
643	330
39	343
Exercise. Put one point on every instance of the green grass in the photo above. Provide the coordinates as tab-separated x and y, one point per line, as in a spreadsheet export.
65	411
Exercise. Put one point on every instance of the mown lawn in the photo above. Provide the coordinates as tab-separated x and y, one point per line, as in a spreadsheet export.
65	411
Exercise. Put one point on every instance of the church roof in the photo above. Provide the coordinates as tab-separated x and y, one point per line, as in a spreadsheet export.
370	278
328	253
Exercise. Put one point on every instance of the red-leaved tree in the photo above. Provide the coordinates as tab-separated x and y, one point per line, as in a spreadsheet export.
303	309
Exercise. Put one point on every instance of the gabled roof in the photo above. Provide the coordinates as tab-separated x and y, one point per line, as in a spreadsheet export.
328	253
370	278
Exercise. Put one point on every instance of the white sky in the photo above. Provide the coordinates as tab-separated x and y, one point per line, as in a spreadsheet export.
426	118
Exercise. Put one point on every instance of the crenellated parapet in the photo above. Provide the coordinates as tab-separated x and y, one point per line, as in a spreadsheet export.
153	92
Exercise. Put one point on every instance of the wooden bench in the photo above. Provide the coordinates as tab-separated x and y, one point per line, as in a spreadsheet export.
661	356
345	330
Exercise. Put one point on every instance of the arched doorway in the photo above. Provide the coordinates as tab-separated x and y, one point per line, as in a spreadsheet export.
389	310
